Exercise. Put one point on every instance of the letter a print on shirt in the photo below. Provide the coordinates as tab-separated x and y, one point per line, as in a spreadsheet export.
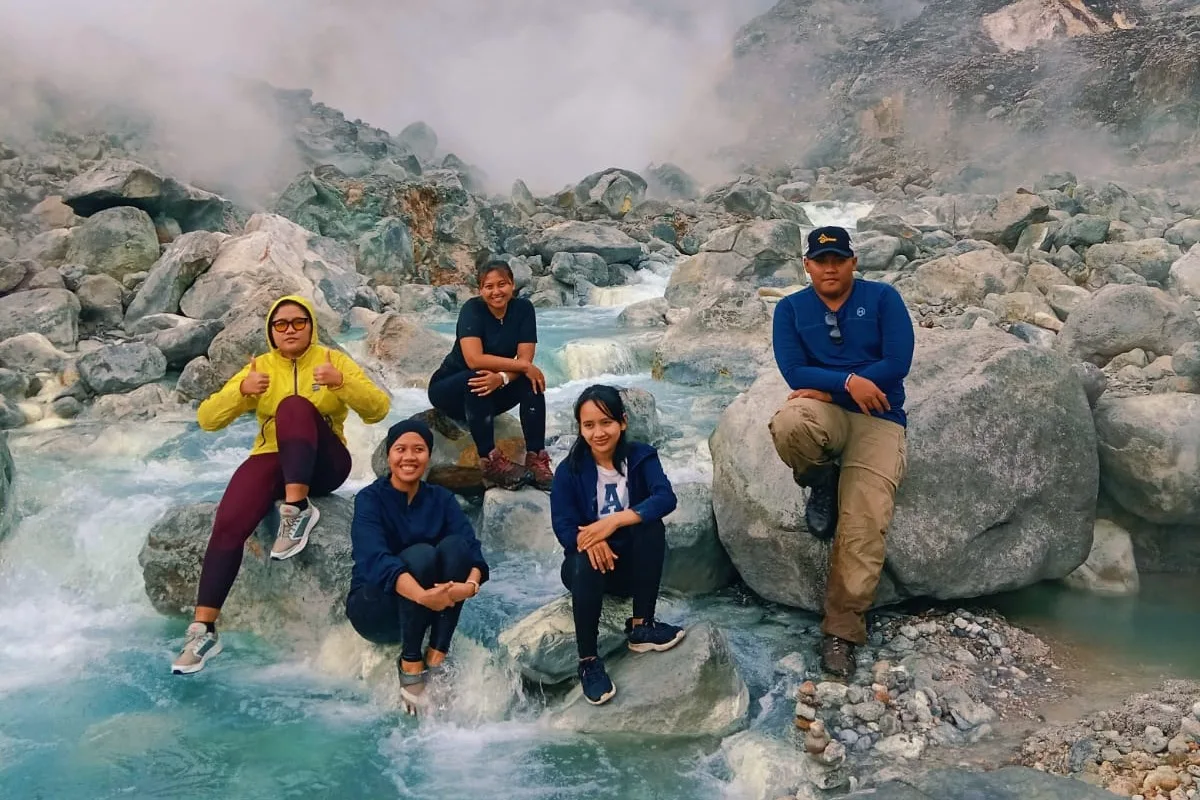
612	500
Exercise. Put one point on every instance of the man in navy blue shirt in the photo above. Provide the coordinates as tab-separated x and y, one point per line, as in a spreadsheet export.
844	347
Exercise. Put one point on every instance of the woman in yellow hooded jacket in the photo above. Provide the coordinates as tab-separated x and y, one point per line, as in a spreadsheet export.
301	393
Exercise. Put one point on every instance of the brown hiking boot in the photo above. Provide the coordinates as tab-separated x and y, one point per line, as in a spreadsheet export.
538	465
837	657
499	470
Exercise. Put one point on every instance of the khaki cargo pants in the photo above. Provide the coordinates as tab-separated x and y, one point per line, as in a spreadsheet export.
808	433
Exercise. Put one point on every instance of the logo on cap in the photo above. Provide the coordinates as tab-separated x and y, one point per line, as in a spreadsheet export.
825	238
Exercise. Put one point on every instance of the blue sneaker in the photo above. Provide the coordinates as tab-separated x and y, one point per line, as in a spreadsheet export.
598	688
652	635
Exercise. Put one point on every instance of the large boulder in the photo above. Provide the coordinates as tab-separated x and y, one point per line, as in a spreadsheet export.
762	253
1185	233
1004	223
180	339
1118	319
7	472
612	192
46	250
118	368
964	279
724	341
116	242
542	645
241	338
54	313
696	560
614	246
691	690
273	257
120	182
1184	278
964	526
186	259
100	302
296	601
406	352
1150	455
1150	258
1082	230
32	352
519	520
1111	568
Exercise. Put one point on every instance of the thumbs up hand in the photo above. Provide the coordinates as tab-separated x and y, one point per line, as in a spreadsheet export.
255	383
326	374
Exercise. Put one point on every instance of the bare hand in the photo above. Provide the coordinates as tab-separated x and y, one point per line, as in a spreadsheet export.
459	591
485	382
255	382
811	394
867	395
327	374
598	531
536	377
438	598
602	557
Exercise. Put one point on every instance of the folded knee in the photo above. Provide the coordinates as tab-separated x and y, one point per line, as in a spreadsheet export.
294	406
421	560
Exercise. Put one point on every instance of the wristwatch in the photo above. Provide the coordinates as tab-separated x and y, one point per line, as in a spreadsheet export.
475	584
504	378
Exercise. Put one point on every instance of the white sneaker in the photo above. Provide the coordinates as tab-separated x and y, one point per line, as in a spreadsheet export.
294	527
199	648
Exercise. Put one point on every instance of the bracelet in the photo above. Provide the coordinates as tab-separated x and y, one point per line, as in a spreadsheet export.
846	385
504	380
475	584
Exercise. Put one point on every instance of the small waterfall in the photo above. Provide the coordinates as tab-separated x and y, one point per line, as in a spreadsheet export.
588	358
831	212
647	284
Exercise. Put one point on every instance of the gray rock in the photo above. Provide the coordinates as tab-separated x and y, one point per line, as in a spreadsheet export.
1149	258
48	278
386	255
517	521
1186	361
570	268
123	183
1092	378
100	298
32	352
726	340
1004	223
117	368
199	379
671	182
877	252
186	259
54	313
419	139
406	352
7	473
1082	230
958	531
47	250
1184	278
67	407
1110	568
691	690
523	199
13	385
187	340
1065	299
1154	741
143	403
1148	447
1007	783
1117	319
614	192
8	247
650	313
542	645
1185	233
242	338
764	768
589	237
696	560
11	416
1032	334
12	275
115	242
411	298
964	279
642	413
294	601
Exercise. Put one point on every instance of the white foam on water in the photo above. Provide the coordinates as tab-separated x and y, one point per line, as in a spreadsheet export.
829	212
589	358
647	284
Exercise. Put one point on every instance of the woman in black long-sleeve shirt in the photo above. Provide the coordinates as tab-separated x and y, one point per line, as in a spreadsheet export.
416	561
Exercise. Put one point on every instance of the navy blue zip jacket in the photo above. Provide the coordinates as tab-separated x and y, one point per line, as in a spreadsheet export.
385	525
573	497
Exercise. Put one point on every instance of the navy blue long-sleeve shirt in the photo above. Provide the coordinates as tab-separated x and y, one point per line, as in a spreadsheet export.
877	344
385	524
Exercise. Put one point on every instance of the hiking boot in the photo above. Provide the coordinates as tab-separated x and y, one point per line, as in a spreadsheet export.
652	635
294	527
538	465
821	511
501	471
199	648
837	657
598	688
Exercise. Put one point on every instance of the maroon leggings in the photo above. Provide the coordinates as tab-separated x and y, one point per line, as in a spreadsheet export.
309	453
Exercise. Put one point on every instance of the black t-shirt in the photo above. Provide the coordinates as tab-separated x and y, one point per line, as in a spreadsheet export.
500	337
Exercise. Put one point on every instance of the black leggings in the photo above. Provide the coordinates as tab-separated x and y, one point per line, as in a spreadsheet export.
638	572
390	619
452	396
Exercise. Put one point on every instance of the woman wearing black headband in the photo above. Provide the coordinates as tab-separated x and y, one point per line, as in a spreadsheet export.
416	561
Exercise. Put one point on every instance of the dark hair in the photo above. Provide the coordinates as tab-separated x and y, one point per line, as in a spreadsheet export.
493	265
608	400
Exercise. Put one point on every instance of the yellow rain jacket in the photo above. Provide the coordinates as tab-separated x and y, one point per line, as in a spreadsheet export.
289	378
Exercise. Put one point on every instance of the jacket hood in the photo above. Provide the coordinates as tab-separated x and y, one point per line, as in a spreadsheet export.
303	303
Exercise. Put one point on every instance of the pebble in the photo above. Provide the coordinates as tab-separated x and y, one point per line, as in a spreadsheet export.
996	640
805	711
869	711
909	631
791	664
964	657
902	644
961	623
855	694
848	737
1154	741
863	745
1196	710
930	628
831	694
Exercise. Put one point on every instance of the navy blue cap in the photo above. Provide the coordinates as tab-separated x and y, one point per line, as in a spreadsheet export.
830	239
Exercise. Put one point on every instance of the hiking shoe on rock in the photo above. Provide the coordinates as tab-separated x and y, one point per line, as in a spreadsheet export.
199	648
837	657
501	471
294	527
412	690
821	511
652	635
538	465
598	688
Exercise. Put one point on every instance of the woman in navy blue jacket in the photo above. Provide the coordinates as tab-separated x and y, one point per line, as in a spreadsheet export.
607	505
416	561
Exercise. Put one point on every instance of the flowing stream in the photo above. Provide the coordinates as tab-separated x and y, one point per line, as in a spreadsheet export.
88	707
